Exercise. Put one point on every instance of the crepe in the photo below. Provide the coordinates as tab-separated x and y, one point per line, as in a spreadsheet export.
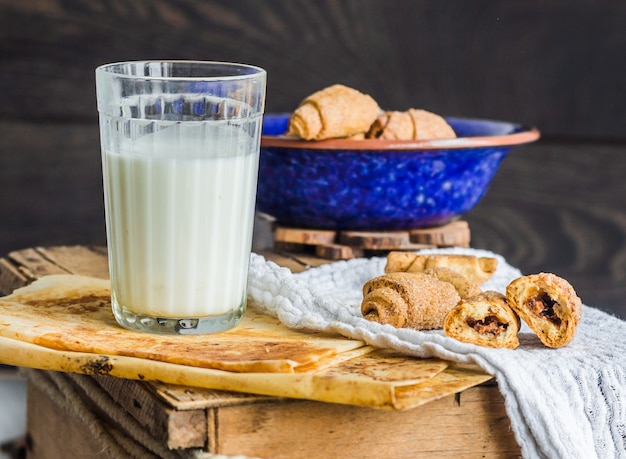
73	313
381	380
64	323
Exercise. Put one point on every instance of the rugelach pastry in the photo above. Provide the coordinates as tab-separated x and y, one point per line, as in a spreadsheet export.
475	269
408	300
485	319
464	287
412	124
333	112
548	304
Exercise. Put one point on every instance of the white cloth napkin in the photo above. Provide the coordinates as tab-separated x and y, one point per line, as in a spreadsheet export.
563	403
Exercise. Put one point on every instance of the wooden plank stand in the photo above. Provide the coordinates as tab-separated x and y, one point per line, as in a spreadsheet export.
346	244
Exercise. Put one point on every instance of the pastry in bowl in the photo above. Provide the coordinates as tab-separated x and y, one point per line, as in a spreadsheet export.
318	168
333	112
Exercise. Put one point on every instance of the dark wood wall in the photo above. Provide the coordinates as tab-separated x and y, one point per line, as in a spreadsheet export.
557	205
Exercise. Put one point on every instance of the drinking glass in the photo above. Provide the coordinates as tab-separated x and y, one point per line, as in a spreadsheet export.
180	153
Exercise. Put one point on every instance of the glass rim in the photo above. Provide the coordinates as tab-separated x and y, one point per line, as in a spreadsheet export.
256	71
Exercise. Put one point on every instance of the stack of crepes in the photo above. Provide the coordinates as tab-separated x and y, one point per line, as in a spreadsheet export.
64	323
566	402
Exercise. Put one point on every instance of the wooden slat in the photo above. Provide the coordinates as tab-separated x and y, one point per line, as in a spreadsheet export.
471	424
196	398
380	240
35	264
179	428
21	267
186	429
347	244
48	423
338	251
304	236
455	234
11	277
296	262
68	416
77	259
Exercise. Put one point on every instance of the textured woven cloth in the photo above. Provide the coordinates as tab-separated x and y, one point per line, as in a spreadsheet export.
563	403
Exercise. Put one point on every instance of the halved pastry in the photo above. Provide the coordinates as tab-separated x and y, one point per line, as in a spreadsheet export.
485	319
548	304
411	300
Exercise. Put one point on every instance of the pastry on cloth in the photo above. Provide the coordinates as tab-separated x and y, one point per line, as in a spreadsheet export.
548	304
475	269
484	319
408	300
333	112
413	124
464	287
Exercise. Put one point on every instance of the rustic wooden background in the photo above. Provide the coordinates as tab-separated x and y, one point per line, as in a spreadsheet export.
557	205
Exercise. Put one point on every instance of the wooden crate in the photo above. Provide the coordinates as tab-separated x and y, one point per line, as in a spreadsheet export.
469	424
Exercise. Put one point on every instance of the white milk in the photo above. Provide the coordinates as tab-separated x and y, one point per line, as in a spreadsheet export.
180	206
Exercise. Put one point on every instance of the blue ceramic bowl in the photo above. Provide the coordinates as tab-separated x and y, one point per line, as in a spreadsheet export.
380	184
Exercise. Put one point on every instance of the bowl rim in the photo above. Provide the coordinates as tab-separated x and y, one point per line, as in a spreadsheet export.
525	134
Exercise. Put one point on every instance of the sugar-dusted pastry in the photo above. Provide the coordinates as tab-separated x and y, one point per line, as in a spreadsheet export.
413	124
548	304
333	112
475	269
399	262
392	125
485	319
464	287
408	300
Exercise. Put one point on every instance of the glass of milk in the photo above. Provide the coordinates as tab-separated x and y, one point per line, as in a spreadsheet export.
180	152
